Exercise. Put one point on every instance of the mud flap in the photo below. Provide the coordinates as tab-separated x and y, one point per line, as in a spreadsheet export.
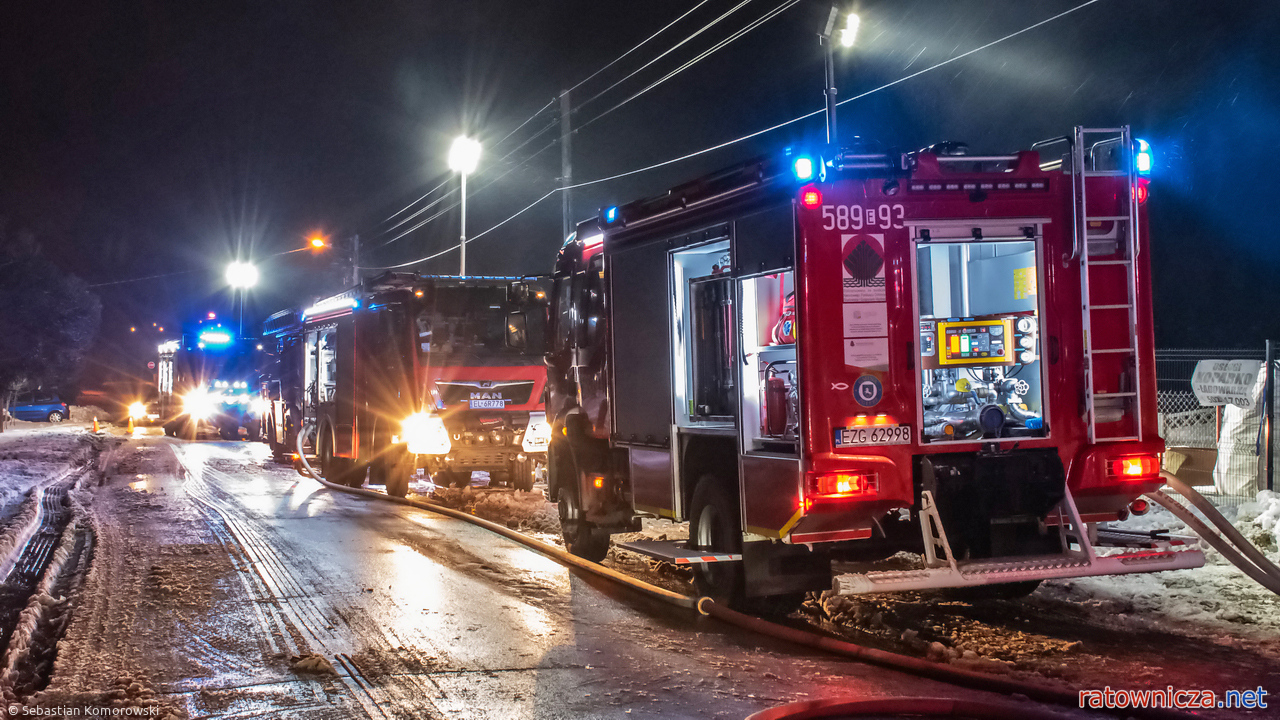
773	568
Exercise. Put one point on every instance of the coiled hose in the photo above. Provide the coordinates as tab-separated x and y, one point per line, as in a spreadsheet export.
707	606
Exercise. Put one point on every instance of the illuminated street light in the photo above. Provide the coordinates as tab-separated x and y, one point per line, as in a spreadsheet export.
242	275
849	34
316	243
464	155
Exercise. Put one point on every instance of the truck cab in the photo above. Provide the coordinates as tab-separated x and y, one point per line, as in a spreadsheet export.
413	371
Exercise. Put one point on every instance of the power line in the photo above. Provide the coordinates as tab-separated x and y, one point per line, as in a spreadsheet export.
528	120
140	279
757	133
699	58
670	50
637	47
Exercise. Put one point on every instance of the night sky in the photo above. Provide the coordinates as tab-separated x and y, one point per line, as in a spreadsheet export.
165	138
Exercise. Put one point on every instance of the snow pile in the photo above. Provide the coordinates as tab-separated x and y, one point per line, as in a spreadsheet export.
1217	600
29	457
526	511
1259	521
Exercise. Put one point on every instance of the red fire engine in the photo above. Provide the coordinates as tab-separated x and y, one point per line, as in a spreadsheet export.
407	371
847	355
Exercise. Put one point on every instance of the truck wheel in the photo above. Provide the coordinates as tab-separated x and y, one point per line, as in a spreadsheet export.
396	469
499	478
521	475
580	537
714	525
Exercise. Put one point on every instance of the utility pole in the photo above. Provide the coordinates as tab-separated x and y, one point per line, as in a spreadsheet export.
566	166
355	260
830	81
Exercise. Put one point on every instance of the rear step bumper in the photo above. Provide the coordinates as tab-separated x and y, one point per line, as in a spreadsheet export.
676	553
991	572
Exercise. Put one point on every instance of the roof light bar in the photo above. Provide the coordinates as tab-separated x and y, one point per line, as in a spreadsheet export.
330	305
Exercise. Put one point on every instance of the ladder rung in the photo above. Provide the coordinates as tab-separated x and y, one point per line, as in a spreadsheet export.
1120	439
1124	394
1110	350
1110	262
1105	173
1109	307
1094	131
1108	218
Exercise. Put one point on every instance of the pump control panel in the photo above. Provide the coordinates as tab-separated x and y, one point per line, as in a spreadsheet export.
977	342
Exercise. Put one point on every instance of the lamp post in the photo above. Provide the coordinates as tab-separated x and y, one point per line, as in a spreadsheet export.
464	154
241	276
848	36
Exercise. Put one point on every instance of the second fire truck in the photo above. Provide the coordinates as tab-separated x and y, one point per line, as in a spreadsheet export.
840	356
411	371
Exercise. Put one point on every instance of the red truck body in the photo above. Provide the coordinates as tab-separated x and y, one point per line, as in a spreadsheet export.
844	355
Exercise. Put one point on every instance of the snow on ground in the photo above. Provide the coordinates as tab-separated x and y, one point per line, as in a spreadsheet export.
1207	601
31	453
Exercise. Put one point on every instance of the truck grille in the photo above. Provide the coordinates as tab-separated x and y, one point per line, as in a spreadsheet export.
461	392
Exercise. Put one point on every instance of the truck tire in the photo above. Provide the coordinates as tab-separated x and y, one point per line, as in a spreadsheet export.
393	469
521	472
580	537
714	525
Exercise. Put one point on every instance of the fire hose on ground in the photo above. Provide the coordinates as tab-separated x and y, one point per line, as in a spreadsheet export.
1230	544
706	606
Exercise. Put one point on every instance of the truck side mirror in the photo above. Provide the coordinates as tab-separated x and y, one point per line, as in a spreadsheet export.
517	332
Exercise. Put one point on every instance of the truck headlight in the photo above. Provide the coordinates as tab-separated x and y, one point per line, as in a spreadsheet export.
538	435
258	406
137	411
425	434
198	404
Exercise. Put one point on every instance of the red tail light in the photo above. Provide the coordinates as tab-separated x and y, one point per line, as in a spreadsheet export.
845	484
1142	190
811	197
1136	467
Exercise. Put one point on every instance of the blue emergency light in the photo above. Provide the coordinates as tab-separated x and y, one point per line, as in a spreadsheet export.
802	167
611	215
1142	159
215	337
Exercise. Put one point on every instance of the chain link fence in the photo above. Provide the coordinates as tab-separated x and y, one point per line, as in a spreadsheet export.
1221	451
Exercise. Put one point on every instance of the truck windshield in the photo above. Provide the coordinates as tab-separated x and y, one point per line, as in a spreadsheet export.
478	326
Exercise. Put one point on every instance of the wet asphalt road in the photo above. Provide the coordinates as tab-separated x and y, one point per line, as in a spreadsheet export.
426	616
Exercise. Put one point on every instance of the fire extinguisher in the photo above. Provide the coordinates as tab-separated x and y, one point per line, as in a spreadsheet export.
776	391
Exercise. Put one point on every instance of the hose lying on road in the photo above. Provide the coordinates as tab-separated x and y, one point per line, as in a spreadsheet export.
550	551
707	606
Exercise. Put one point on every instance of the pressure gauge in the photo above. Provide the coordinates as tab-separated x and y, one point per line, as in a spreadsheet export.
1027	356
1026	325
1027	341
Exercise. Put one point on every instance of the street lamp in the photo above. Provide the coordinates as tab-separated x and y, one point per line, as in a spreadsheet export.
241	276
464	154
848	36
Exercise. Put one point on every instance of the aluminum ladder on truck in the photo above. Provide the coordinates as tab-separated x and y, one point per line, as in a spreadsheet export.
1113	365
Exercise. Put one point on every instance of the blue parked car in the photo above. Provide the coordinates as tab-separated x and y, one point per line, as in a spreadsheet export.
39	406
